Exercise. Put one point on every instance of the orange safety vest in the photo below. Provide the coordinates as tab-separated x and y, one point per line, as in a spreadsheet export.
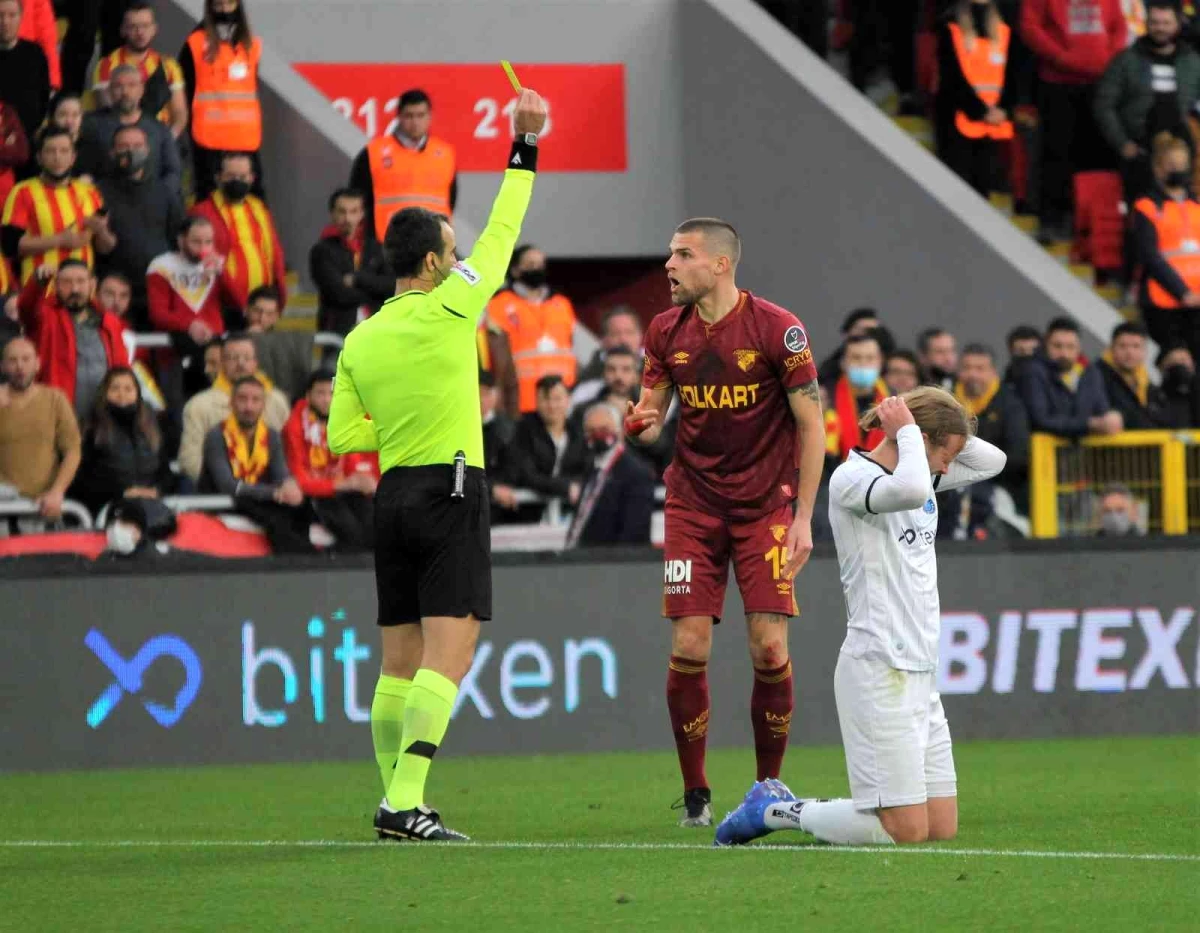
1178	226
982	64
540	337
404	177
226	113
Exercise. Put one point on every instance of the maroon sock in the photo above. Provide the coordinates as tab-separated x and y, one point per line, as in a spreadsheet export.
687	701
771	715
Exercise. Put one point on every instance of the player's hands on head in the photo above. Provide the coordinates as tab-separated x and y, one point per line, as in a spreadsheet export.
530	113
893	415
638	420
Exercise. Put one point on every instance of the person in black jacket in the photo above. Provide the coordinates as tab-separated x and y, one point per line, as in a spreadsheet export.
122	446
618	494
1180	386
1127	380
1002	422
499	432
1063	396
551	457
965	119
348	267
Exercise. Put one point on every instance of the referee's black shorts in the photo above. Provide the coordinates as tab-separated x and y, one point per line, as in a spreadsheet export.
433	553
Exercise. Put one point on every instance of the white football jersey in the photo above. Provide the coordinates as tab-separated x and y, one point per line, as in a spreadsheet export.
885	526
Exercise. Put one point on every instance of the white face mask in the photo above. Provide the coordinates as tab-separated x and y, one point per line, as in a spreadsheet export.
123	538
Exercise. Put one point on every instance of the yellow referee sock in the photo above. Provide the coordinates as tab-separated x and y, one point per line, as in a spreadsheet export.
387	722
426	716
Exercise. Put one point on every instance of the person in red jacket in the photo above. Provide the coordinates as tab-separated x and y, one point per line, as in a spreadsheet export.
14	148
38	24
77	340
244	229
187	291
340	488
1073	41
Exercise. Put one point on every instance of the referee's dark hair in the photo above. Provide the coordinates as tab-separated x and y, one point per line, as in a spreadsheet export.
412	234
345	193
412	97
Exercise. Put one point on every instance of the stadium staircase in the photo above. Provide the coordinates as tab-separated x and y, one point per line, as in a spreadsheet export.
920	129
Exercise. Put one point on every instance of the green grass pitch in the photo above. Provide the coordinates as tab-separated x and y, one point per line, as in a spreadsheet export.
599	848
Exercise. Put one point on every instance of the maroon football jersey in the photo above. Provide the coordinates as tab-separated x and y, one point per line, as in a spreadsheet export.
735	451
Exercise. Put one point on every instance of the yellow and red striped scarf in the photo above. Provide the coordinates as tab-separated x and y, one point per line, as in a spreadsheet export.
249	226
247	462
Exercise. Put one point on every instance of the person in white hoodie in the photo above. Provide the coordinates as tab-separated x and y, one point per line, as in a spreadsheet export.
883	510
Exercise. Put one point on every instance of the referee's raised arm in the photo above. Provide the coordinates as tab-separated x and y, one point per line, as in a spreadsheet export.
408	386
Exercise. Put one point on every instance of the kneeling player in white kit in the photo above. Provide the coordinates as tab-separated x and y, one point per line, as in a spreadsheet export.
884	517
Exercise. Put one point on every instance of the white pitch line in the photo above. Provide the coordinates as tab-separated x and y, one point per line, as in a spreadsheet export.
587	846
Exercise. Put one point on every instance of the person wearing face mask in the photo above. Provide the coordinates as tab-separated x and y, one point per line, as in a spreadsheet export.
244	230
54	217
1148	89
618	491
1062	394
125	538
143	212
77	340
1166	238
857	389
1180	386
122	446
976	92
539	322
220	62
127	90
1118	513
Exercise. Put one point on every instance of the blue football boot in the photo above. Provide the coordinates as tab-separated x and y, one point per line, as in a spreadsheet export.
745	824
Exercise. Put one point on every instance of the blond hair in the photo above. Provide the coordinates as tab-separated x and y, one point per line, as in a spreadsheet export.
937	413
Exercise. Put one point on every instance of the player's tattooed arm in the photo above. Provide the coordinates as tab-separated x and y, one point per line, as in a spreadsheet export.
810	389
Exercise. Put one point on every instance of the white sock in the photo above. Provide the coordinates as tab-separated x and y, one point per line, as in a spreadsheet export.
833	821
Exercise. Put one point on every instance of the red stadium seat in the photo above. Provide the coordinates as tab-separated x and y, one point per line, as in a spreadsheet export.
927	66
1099	220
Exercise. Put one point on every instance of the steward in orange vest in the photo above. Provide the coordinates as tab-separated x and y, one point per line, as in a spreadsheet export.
1166	236
974	88
220	62
407	169
540	325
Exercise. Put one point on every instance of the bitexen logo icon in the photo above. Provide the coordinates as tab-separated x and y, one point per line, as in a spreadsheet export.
128	673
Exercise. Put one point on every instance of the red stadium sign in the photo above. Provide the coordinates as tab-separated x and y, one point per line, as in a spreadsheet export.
473	106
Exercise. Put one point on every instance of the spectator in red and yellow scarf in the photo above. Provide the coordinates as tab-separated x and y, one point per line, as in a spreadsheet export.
244	459
858	389
340	488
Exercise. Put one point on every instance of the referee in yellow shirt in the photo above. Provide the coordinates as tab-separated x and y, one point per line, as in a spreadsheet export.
408	386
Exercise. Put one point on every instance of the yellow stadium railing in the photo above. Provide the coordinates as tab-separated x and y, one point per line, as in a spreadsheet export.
1160	468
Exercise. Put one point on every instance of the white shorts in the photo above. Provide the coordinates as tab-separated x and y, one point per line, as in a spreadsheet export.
895	734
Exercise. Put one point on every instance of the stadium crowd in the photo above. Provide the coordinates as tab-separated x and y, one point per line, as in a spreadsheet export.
134	204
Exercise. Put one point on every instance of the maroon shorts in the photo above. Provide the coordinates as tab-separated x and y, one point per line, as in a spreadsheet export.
697	551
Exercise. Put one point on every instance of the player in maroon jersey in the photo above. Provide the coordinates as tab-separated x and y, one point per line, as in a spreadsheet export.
749	411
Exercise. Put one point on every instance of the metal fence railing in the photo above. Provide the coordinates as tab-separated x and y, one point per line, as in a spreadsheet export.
1160	468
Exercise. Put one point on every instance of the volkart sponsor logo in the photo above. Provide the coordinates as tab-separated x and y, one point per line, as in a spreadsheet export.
677	577
1104	659
714	396
528	677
